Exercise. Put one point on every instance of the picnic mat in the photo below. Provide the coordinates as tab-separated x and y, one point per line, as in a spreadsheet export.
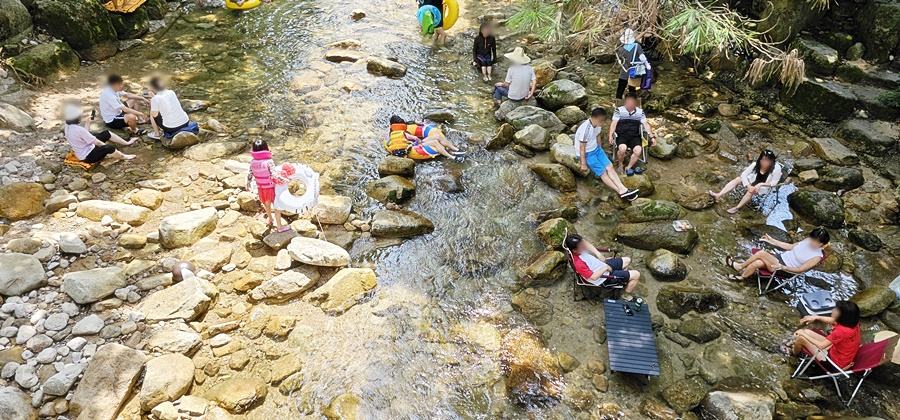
123	6
73	160
630	339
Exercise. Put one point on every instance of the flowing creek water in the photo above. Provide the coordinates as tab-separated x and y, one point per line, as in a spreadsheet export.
426	343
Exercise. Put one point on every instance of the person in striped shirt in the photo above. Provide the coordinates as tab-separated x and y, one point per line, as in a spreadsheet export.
625	133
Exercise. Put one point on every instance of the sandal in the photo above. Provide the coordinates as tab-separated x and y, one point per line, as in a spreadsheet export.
638	170
735	277
629	172
140	132
729	261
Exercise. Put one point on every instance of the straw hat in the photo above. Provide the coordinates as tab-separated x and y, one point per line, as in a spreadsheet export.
72	112
518	56
627	37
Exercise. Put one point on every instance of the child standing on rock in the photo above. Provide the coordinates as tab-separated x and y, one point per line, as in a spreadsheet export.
262	170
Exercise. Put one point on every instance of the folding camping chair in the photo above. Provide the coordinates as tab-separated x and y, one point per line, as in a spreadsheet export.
779	279
867	358
581	282
644	142
764	196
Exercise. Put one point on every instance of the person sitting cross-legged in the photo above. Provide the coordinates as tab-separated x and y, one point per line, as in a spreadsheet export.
594	267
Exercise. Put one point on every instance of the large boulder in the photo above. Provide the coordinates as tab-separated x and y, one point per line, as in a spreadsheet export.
655	235
20	274
545	270
873	138
343	290
60	383
343	407
571	115
866	240
651	210
333	209
781	20
561	93
533	373
206	152
166	378
186	301
15	119
873	300
156	9
819	207
834	178
14	20
811	94
504	137
698	330
555	175
738	405
318	252
400	224
119	212
107	382
286	285
544	72
675	301
185	229
131	25
534	137
14	404
83	24
509	105
553	232
180	141
666	266
564	154
395	165
383	67
524	116
819	58
22	200
238	395
878	23
833	151
391	189
92	285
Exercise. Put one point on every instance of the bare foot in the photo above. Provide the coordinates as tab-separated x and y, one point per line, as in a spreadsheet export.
714	195
733	210
621	169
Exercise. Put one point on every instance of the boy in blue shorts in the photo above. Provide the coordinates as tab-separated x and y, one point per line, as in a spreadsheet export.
593	157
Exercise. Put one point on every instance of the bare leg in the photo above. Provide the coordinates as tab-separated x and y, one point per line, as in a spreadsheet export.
626	261
489	69
633	278
133	104
440	36
620	156
727	188
443	141
278	221
803	342
744	200
612	181
268	208
635	155
119	155
118	140
155	127
751	268
439	147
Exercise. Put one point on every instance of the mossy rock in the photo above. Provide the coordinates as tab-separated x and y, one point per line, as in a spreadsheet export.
48	61
819	207
835	178
553	231
698	330
865	240
545	270
555	175
675	301
156	9
391	189
651	210
656	235
83	24
874	300
14	19
131	25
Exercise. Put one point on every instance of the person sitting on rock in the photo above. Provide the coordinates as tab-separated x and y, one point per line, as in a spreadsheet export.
403	143
759	176
595	268
625	132
90	148
520	79
799	257
166	113
841	345
121	115
592	156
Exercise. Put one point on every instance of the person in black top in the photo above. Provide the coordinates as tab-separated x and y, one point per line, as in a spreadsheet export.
484	52
440	35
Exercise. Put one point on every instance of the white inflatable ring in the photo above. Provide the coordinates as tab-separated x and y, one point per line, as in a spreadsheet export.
289	203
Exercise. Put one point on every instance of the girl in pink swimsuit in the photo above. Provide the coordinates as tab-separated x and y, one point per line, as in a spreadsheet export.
262	170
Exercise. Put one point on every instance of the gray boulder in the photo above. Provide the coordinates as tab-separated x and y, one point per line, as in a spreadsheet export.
564	154
873	300
13	118
738	405
655	235
811	94
107	382
383	67
400	224
185	229
666	266
833	151
651	210
879	21
504	137
560	93
873	138
186	301
524	116
394	165
14	404
552	232
286	285
180	141
14	19
555	175
508	106
545	270
819	207
318	252
83	24
20	274
391	189
534	137
675	301
834	178
93	285
131	25
819	58
122	213
571	115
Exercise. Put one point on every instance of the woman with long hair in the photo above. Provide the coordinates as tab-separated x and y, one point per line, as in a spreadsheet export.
484	51
764	173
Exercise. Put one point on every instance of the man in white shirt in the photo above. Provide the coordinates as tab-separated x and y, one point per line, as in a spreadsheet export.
520	79
166	113
625	132
87	147
117	114
593	157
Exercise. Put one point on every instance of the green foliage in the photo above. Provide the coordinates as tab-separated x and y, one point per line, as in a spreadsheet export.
891	99
538	17
697	31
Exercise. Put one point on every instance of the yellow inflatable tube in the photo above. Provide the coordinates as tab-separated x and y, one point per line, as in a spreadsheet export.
249	4
451	13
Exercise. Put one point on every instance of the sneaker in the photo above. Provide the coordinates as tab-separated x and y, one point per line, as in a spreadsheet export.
638	170
630	195
459	159
458	152
153	136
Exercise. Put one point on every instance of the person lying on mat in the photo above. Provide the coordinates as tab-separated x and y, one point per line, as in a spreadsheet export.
841	345
90	148
593	266
797	258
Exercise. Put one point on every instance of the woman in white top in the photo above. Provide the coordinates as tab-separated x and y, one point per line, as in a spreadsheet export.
797	258
166	113
764	173
90	148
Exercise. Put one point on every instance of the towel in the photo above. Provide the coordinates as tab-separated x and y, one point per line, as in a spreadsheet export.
123	6
73	160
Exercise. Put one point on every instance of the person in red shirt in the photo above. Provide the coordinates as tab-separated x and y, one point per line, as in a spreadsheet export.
592	265
843	342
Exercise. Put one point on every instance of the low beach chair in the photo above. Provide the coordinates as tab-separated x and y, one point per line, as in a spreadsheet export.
644	142
581	282
779	279
869	357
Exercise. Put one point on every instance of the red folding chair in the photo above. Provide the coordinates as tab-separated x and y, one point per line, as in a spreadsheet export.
580	281
779	279
869	357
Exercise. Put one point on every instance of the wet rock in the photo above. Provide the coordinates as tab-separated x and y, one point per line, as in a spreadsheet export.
186	301
174	341
555	175
504	136
524	116
810	163
533	306
739	405
180	141
873	300
655	235
821	208
675	301
91	34
92	285
107	382
60	383
810	94
697	202
870	137
568	362
166	378
533	374
391	189
400	224
565	155
544	72
698	330
640	182
15	119
394	165
865	240
343	290
285	286
318	253
728	110
553	231
208	151
439	115
343	56
651	210
20	274
333	209
665	149
185	229
833	151
22	200
14	404
343	407
545	270
571	115
819	58
509	105
357	14
278	240
534	137
834	178
685	394
131	25
561	93
238	395
666	266
123	213
878	29
148	198
380	66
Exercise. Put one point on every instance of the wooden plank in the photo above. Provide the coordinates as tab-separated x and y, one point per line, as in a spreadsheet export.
630	339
